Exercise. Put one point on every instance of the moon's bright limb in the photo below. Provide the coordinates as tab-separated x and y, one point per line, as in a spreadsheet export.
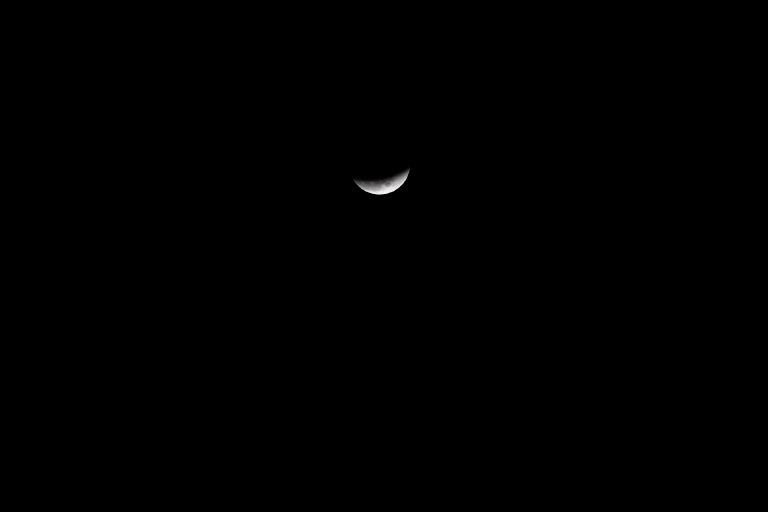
385	186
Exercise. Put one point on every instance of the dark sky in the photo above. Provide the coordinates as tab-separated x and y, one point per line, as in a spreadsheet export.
219	215
245	172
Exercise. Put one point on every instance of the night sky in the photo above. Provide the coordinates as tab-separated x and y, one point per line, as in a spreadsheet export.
226	238
243	175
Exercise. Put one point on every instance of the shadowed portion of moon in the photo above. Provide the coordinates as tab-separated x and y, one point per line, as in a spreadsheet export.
385	185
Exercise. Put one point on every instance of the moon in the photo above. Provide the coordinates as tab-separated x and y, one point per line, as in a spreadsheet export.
384	186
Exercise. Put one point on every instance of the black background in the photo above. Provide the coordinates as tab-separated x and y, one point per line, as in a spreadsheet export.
223	258
224	177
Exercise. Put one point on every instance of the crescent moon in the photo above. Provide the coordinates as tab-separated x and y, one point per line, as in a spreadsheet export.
385	186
